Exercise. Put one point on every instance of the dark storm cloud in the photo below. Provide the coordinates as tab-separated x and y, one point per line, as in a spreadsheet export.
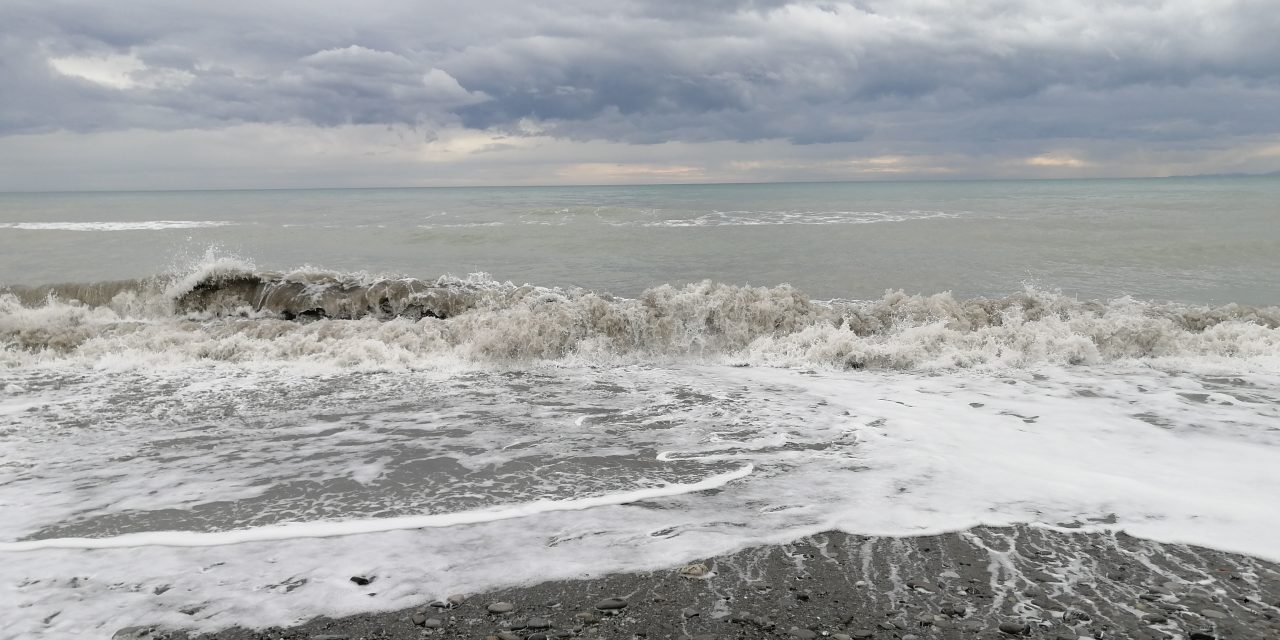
961	75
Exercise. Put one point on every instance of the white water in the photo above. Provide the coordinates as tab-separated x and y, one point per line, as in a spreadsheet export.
1185	454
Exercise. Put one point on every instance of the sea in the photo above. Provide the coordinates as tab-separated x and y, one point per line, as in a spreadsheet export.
218	407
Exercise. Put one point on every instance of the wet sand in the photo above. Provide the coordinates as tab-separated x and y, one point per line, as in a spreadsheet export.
983	583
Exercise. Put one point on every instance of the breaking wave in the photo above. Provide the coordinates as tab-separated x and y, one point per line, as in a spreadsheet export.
226	310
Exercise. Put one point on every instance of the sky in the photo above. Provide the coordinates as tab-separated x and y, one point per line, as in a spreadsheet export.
155	94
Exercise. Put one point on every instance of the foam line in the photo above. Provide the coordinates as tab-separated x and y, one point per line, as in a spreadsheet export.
295	530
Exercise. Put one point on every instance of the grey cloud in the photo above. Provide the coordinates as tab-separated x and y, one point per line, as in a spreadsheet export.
906	73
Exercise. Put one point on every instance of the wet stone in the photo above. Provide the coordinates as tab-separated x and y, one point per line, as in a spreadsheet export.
433	623
362	580
1213	613
688	612
611	604
1201	635
539	623
586	617
508	635
501	607
802	634
887	626
695	570
1075	615
1014	627
840	636
418	619
862	633
1154	618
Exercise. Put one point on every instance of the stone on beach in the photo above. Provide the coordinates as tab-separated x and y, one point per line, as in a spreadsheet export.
611	604
501	607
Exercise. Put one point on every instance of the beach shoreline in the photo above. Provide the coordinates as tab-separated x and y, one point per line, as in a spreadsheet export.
985	582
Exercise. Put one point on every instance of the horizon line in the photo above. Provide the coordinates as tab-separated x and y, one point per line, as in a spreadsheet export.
1271	174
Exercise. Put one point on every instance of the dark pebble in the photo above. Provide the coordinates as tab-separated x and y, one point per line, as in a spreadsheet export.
611	604
507	635
1201	635
361	580
419	619
1014	628
1154	618
803	634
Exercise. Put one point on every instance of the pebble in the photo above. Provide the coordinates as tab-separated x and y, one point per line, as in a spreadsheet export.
1014	628
1075	615
911	636
611	604
538	623
1154	618
501	607
803	634
433	623
1201	635
1213	613
586	617
888	626
456	599
361	580
862	633
695	570
688	612
840	636
508	635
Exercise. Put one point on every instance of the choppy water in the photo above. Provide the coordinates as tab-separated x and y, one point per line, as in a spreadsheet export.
238	400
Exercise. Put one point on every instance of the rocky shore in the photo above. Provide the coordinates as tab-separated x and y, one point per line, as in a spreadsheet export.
1021	582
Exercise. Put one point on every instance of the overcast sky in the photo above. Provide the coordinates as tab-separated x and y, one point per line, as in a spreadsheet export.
162	94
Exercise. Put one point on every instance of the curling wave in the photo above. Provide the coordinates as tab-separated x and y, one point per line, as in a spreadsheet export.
225	310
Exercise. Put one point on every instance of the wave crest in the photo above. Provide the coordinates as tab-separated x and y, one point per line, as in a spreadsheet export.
226	310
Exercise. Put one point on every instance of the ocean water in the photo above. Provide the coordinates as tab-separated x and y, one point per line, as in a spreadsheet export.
217	407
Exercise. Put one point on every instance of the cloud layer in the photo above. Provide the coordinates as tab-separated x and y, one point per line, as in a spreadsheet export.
1061	86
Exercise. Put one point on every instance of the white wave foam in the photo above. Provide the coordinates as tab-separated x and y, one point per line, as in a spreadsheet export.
296	530
225	310
775	218
142	225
